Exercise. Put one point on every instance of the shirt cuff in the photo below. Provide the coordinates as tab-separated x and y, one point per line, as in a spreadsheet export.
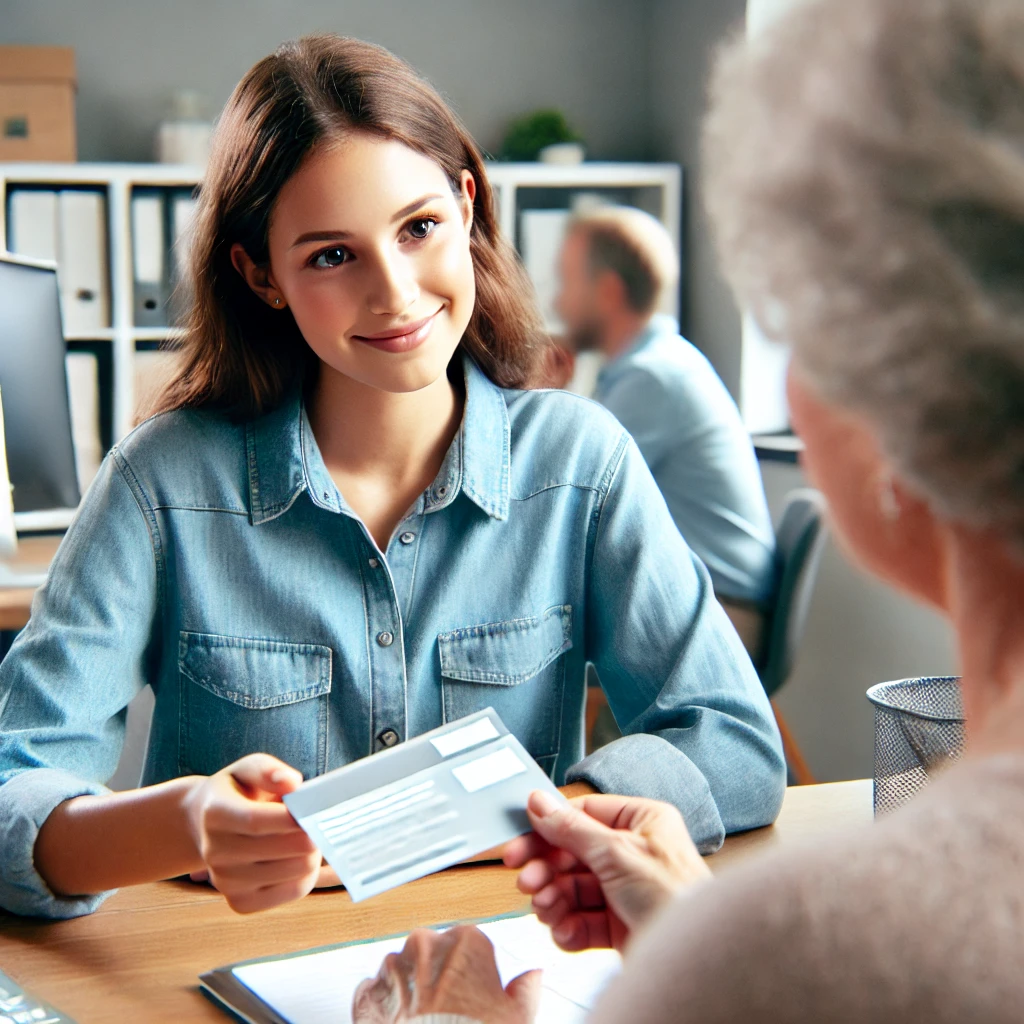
649	766
26	801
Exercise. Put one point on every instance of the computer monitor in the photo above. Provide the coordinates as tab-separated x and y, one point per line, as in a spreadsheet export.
34	394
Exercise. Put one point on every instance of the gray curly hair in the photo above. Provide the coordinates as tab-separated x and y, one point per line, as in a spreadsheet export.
864	169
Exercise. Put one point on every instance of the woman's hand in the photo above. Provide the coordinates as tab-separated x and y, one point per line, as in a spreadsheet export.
327	879
451	972
599	867
254	851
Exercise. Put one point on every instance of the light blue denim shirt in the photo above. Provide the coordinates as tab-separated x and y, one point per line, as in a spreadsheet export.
218	563
669	398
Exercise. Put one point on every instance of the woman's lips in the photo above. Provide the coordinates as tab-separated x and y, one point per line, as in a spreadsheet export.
401	339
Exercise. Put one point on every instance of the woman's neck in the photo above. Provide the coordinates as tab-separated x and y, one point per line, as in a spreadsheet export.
382	449
986	604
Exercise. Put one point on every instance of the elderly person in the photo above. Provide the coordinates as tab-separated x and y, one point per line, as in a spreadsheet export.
865	164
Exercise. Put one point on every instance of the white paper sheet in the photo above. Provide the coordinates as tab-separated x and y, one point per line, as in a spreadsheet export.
318	988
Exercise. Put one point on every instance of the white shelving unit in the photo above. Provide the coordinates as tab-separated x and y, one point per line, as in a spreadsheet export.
657	188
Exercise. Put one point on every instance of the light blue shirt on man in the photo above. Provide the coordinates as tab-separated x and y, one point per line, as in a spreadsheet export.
689	431
218	562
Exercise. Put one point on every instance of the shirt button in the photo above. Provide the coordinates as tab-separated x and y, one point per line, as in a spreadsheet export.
385	639
388	738
407	537
442	491
374	563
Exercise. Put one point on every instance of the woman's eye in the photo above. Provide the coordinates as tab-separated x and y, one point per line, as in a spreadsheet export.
330	258
421	227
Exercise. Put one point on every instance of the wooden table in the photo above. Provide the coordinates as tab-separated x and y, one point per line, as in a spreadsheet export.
34	552
138	957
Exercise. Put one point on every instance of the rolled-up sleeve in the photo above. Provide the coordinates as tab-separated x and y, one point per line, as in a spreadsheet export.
698	730
67	681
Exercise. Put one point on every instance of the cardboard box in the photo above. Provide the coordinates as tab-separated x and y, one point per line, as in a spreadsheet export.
37	103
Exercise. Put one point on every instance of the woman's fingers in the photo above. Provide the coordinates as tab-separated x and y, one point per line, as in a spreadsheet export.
577	892
264	776
249	901
232	848
569	828
576	932
522	849
532	846
255	853
260	874
240	815
525	992
535	876
328	877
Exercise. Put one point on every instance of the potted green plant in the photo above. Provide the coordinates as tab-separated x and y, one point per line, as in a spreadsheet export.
543	135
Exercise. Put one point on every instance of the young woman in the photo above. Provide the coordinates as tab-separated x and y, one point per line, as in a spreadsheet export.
346	527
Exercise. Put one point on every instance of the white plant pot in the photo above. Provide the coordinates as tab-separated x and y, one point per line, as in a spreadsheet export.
562	153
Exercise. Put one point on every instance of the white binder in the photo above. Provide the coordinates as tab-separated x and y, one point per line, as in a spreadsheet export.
82	259
541	233
183	208
183	212
84	399
32	223
148	249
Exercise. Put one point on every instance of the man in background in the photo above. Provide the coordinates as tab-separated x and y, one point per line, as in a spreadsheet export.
616	265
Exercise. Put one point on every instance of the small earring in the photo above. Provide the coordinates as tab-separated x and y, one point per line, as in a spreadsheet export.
277	302
888	502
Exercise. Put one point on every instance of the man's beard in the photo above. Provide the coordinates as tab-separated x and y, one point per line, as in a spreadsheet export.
584	336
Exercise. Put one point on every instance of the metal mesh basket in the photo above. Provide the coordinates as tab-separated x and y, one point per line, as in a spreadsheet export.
919	729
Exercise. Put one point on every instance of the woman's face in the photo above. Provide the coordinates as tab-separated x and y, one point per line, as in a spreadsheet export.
900	544
369	249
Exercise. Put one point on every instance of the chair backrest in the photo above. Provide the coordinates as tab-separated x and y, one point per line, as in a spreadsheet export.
799	542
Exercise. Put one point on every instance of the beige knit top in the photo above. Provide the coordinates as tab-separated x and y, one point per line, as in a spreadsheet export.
917	918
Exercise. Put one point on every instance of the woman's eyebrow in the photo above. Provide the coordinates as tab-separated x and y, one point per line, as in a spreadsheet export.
406	210
328	236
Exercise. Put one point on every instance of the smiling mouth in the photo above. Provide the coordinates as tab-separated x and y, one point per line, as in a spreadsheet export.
399	333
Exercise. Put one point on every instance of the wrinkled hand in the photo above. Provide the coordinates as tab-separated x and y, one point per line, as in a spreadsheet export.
253	850
599	867
448	972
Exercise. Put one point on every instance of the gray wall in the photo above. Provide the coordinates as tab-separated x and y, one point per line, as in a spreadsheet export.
493	59
682	40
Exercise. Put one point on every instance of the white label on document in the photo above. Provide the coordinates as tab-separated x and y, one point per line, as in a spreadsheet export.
487	770
466	737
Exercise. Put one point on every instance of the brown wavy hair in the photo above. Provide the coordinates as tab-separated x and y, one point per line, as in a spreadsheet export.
237	358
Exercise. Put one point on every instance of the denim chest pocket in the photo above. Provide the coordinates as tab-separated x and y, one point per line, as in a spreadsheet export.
517	668
243	696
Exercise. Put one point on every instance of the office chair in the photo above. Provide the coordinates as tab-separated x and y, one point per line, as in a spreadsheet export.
799	542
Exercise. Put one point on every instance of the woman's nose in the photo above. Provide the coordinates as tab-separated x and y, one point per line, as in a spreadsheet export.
394	287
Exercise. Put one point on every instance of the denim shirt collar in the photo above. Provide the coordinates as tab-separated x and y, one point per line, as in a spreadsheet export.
283	459
658	325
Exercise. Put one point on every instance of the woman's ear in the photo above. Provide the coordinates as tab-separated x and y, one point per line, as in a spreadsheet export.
258	278
467	194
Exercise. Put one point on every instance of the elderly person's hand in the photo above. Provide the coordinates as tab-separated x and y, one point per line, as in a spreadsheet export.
451	973
601	866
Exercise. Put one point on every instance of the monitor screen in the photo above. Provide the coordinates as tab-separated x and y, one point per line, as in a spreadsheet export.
34	389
